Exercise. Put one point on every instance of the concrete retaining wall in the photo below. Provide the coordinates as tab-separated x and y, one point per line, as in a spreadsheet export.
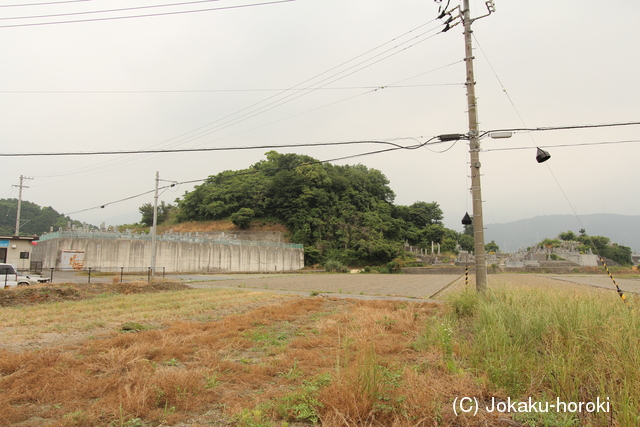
173	256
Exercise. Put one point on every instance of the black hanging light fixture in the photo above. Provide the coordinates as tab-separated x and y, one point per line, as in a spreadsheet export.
466	219
542	156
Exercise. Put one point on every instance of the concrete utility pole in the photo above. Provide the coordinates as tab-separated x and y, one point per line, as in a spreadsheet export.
153	228
21	186
474	151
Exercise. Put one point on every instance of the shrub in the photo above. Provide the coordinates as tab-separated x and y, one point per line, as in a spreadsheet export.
242	219
337	266
395	266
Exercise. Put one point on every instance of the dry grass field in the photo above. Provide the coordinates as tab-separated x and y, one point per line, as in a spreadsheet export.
138	356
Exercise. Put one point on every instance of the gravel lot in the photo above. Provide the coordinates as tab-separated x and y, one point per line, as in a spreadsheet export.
369	286
627	285
352	285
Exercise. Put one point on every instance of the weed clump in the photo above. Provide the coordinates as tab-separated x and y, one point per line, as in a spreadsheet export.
335	266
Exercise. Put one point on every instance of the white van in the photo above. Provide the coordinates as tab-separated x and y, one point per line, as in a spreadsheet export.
9	277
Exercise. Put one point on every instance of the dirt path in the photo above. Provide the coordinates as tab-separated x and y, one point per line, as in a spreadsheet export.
383	286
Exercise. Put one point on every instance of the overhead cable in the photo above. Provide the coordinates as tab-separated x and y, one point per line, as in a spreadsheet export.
202	130
100	92
259	107
194	150
43	4
583	144
305	91
146	15
174	183
570	127
124	9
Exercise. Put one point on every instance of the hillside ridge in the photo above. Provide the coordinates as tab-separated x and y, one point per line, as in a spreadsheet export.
511	236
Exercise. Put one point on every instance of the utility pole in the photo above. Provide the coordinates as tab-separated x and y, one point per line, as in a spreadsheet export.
474	151
153	228
21	186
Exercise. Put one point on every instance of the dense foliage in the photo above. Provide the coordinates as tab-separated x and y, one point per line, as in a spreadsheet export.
164	212
599	245
343	213
35	220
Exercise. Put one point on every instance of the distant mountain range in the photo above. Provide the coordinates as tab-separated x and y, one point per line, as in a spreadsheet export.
511	236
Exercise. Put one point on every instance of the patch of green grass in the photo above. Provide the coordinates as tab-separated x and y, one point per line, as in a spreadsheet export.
212	380
293	373
550	342
303	403
277	335
255	418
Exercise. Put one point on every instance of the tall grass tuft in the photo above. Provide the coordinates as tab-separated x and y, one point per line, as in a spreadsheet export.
551	343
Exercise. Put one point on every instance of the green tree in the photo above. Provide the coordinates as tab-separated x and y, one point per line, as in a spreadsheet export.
551	243
466	242
620	254
35	220
492	247
448	244
568	236
164	211
242	219
423	214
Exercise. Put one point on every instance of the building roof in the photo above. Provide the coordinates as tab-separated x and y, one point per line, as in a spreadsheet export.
20	237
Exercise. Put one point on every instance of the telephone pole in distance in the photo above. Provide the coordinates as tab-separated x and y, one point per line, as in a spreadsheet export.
21	186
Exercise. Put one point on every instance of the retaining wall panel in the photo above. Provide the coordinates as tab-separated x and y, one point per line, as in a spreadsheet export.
173	256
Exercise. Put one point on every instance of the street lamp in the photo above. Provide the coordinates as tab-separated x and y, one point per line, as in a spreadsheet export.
542	156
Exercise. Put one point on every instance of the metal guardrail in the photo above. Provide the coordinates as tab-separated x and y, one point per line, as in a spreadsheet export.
161	238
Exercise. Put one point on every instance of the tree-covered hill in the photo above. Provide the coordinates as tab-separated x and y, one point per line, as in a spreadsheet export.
35	220
343	213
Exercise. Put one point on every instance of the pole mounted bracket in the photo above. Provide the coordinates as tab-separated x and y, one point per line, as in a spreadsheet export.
491	8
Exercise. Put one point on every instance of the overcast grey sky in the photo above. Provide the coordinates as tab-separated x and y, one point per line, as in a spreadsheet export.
371	70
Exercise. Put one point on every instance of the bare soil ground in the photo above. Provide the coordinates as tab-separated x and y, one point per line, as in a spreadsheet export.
384	285
29	295
391	286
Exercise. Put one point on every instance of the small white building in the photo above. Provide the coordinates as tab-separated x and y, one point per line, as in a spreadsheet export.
16	250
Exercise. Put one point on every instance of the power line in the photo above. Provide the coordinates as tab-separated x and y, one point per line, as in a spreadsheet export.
105	11
147	15
565	145
379	88
91	92
259	107
397	147
570	127
194	150
191	135
188	136
305	91
44	4
324	144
